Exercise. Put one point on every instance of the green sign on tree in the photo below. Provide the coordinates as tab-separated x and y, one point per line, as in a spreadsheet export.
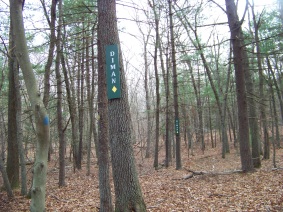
113	72
177	126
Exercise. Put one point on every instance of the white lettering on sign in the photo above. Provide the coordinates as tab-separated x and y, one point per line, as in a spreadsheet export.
113	67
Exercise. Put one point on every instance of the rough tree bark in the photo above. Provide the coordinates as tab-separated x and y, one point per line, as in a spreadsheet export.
156	148
60	127
240	65
127	188
13	107
175	90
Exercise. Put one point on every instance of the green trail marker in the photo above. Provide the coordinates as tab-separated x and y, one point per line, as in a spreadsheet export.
113	72
177	126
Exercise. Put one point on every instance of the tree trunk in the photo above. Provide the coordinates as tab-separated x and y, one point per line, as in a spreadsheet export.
41	117
239	64
13	107
147	99
198	46
276	121
90	99
73	112
156	149
127	188
253	120
175	91
81	103
60	127
47	69
20	134
52	38
6	180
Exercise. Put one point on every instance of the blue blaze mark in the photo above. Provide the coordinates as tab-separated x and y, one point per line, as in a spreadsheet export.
46	121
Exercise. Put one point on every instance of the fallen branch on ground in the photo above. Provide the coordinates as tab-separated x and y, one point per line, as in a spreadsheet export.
194	173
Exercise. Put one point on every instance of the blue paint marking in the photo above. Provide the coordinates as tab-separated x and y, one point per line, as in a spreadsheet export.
46	121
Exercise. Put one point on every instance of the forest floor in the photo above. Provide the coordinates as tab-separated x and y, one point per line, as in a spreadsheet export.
167	189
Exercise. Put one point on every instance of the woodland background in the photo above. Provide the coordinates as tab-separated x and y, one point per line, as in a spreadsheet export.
206	97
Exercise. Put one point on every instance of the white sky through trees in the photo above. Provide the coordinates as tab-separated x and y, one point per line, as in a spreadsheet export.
128	12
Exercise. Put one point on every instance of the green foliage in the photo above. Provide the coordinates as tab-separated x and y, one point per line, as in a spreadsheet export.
270	33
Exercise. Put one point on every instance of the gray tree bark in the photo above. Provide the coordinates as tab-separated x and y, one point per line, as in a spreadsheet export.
13	107
156	22
240	65
6	180
42	120
127	188
62	143
175	90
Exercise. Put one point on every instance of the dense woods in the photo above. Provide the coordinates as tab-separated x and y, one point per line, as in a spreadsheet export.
191	81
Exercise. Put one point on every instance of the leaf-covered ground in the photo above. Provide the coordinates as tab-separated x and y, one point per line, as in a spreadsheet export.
167	190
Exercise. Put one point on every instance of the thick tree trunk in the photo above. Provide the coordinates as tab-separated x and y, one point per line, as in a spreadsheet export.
41	117
103	122
127	188
239	64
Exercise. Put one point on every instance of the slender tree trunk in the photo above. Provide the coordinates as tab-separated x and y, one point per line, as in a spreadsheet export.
93	84
52	37
80	95
73	112
6	180
198	46
175	91
156	149
60	127
90	104
239	64
253	119
148	108
276	121
13	105
41	117
2	136
47	69
20	135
